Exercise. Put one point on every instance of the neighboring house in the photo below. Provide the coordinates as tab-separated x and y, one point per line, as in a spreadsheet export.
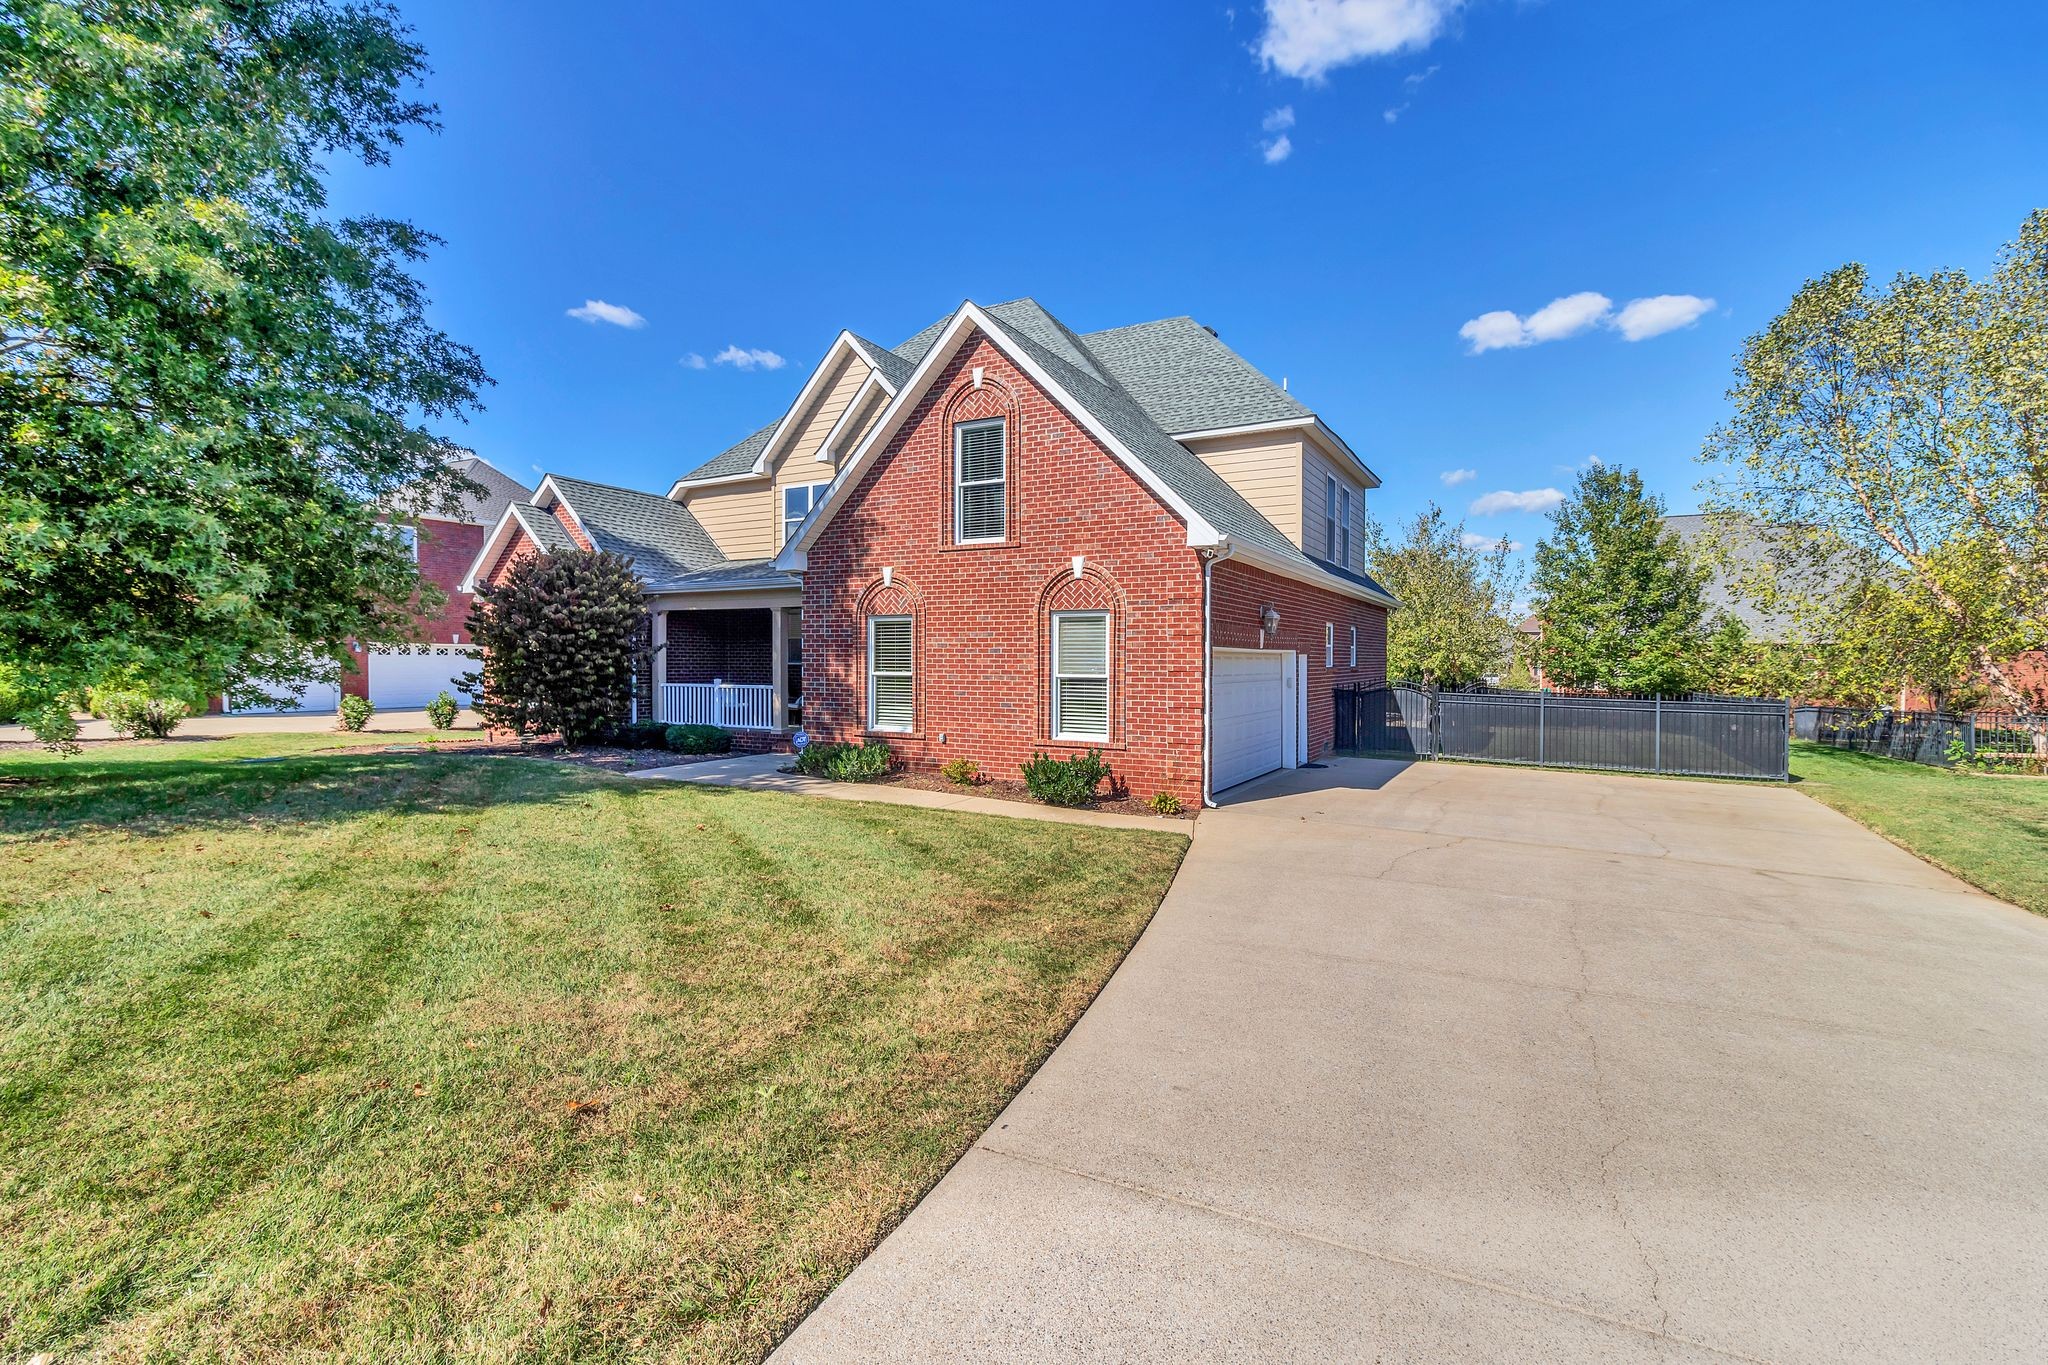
445	539
1000	538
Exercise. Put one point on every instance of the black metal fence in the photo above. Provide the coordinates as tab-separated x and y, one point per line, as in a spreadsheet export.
1701	737
1936	738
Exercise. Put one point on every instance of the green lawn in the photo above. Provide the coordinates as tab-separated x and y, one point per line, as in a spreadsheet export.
419	1056
1990	831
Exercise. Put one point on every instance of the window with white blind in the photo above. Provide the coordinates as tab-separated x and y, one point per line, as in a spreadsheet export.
1344	527
1354	646
891	695
1080	675
797	502
981	472
1329	644
1329	516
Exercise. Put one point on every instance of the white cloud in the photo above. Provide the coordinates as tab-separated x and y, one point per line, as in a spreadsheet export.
1278	150
597	310
1411	83
1534	500
1309	38
693	361
1280	120
1473	540
1554	321
1642	319
1414	79
741	358
1453	477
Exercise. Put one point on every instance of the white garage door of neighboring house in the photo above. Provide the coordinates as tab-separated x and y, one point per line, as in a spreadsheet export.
318	698
406	681
1249	715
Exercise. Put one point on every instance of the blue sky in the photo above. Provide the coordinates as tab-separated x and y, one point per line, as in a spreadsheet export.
750	179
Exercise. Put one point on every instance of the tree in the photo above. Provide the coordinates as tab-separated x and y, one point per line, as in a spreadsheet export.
1623	605
561	640
1457	600
1902	433
206	381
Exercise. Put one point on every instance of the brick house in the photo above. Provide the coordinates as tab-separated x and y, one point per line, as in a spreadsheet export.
1002	537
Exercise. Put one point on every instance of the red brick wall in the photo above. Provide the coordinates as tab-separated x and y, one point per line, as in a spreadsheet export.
980	612
1240	593
732	645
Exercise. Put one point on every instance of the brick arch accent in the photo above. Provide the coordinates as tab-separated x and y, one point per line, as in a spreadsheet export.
1094	590
968	403
894	598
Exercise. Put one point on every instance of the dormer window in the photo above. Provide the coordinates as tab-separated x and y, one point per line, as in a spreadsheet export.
797	502
1336	522
981	469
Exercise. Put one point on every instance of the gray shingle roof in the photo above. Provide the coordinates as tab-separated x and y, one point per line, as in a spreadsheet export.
542	526
1187	380
500	491
895	368
736	459
750	573
661	538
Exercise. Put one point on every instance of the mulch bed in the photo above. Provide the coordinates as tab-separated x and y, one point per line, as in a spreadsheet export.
1003	790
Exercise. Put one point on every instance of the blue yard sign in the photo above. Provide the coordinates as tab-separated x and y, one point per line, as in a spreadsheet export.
800	741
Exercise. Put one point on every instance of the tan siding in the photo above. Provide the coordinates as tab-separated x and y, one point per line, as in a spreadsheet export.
798	462
1265	468
1315	503
739	518
862	421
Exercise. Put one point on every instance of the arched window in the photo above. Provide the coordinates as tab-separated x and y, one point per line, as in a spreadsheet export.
1082	655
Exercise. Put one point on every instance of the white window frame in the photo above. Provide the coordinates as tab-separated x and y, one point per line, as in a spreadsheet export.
815	491
1107	678
405	534
873	722
960	485
1329	644
1330	517
1354	646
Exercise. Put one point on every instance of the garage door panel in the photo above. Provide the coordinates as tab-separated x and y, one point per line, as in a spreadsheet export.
1248	700
406	681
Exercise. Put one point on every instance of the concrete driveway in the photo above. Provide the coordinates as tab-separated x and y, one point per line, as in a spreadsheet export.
1451	1062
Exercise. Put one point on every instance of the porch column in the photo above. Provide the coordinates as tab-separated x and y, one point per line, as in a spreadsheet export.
778	666
657	656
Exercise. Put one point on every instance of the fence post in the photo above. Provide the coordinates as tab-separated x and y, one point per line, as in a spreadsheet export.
1657	744
1970	737
1541	697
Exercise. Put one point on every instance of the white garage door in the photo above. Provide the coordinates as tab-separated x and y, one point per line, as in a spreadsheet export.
1249	717
317	698
407	681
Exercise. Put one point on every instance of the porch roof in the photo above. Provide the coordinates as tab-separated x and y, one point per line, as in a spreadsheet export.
736	573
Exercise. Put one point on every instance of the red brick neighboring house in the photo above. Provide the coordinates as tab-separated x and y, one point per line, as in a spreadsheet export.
1002	537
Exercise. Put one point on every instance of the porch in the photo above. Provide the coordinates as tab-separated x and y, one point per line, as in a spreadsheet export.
736	667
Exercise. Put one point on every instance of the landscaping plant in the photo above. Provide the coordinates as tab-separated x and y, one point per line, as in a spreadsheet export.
963	772
698	739
1065	781
846	762
138	715
355	712
561	638
442	710
1165	803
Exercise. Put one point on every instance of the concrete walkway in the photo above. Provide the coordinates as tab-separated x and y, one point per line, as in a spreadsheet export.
1444	1062
763	772
298	723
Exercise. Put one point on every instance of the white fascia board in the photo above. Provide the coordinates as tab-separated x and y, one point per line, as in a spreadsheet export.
494	544
872	363
861	395
970	319
843	344
682	486
1309	423
1308	573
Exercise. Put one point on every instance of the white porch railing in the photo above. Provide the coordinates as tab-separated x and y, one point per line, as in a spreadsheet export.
733	706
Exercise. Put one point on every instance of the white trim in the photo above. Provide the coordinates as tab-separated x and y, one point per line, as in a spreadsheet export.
960	536
1329	644
493	545
1308	423
714	481
860	397
812	388
1354	648
782	492
1293	716
1108	677
872	723
971	317
1310	574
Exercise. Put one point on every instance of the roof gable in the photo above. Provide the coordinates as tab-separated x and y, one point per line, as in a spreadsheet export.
661	537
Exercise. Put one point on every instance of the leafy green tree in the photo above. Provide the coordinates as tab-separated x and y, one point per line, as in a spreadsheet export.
561	640
1457	600
1622	603
206	380
1896	440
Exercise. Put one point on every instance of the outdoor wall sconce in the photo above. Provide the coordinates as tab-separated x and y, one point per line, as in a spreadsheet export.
1269	619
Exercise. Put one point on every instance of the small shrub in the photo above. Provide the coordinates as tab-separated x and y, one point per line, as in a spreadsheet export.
846	762
1065	781
698	739
139	715
1165	803
639	734
811	759
442	710
356	712
963	772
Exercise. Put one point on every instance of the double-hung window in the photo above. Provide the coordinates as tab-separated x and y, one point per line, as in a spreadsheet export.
1329	517
1354	646
981	477
1344	527
1329	644
1080	675
891	694
797	502
408	536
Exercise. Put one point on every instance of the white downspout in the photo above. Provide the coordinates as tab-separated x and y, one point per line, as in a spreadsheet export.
1210	559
